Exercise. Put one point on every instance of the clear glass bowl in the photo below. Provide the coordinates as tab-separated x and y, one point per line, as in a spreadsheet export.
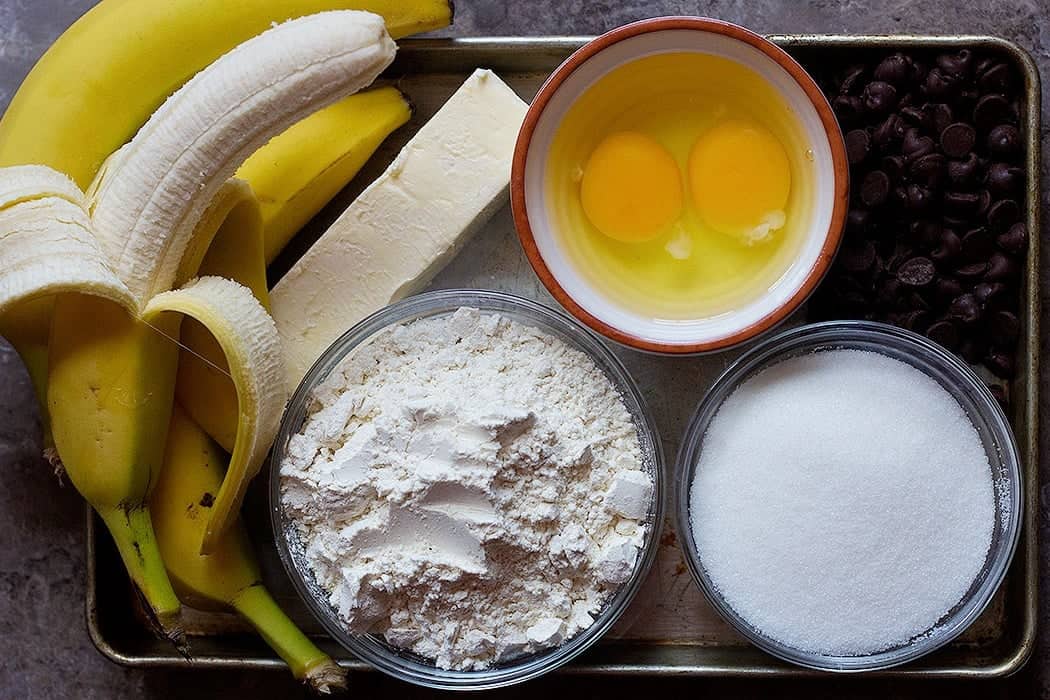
981	408
372	648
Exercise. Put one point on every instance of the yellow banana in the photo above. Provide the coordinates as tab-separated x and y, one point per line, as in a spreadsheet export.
229	576
109	388
112	361
101	80
300	170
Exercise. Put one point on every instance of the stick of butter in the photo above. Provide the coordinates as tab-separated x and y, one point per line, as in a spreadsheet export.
443	186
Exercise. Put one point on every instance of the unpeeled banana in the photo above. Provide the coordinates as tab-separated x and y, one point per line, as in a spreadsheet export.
229	577
102	79
296	174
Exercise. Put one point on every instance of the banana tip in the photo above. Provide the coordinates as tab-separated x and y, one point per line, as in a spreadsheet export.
326	677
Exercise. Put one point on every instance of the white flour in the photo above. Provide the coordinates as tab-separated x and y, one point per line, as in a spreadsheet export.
469	487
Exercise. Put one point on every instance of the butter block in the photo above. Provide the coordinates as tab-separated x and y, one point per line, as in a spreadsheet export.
443	186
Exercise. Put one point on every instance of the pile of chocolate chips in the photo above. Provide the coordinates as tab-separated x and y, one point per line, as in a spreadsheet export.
935	240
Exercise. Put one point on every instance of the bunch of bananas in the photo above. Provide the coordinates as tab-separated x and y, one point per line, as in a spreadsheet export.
135	229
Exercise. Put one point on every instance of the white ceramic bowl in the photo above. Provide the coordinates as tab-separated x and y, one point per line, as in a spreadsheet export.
536	228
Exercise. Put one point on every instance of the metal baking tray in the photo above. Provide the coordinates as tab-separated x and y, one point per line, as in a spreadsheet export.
669	629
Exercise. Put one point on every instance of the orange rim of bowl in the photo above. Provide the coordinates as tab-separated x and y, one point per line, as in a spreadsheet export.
781	58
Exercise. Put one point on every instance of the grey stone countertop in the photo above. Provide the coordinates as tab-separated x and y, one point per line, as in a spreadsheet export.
44	647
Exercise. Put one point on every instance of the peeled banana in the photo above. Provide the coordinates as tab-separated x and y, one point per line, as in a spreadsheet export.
101	80
229	577
110	268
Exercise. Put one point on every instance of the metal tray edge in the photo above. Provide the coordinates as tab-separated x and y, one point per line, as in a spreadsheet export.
1021	652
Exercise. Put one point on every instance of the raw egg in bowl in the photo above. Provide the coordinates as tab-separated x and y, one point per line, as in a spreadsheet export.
680	185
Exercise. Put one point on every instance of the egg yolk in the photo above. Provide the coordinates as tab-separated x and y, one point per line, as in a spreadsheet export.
739	178
631	189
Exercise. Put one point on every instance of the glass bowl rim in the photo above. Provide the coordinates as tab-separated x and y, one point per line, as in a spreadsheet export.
783	345
529	312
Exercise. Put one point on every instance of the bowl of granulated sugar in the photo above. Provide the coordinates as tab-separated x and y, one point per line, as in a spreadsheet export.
849	496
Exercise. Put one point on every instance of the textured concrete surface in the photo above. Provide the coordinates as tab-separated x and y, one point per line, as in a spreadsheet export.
44	648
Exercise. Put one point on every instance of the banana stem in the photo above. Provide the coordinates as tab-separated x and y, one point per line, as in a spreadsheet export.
307	662
132	530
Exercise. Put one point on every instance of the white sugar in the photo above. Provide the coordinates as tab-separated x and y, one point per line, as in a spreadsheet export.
843	503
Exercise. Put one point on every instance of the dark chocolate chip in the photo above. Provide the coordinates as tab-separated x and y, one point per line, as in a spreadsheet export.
949	249
1000	269
1004	179
859	221
939	84
962	173
995	78
879	97
961	203
893	165
915	117
927	234
888	293
957	64
848	108
972	271
1014	240
894	69
1003	214
916	145
958	139
889	132
977	244
916	300
916	320
966	100
946	289
983	64
916	272
857	258
1005	327
965	308
940	115
989	294
1001	364
985	198
1004	141
929	169
852	79
858	145
918	198
875	188
944	333
991	110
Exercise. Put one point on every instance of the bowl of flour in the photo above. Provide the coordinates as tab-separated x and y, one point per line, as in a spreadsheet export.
466	489
849	496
